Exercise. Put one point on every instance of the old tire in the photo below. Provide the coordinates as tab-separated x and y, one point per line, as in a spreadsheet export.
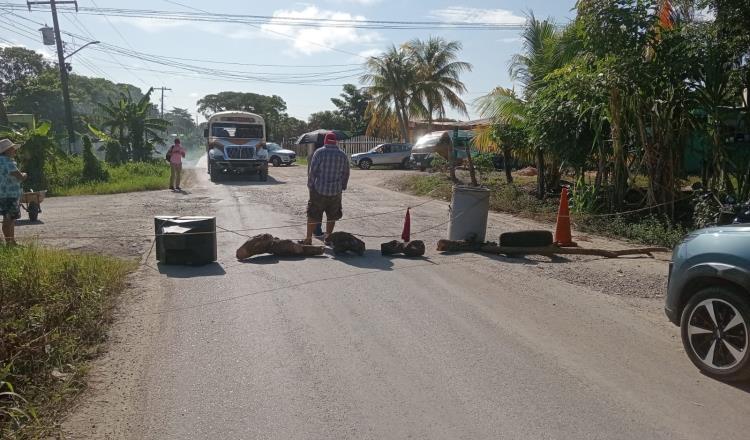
715	328
365	164
526	239
276	161
34	210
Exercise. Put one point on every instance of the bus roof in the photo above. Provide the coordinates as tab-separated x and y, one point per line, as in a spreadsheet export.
236	116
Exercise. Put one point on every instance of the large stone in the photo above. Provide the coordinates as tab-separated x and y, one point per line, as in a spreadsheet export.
344	242
268	244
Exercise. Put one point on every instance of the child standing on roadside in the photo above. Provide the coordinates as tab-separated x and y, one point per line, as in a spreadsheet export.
176	154
10	189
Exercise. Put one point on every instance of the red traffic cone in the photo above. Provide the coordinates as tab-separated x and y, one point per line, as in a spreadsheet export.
563	236
406	233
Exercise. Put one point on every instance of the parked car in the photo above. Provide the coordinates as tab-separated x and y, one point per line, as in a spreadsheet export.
280	156
709	298
384	154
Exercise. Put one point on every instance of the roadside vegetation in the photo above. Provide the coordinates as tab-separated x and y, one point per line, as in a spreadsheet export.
518	198
56	307
66	179
637	106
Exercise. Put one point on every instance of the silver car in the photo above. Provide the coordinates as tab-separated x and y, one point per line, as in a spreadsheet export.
709	298
384	154
277	155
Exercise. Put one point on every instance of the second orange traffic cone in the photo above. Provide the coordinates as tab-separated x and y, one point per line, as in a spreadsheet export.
563	235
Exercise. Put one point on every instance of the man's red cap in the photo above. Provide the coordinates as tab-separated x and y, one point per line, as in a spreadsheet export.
330	138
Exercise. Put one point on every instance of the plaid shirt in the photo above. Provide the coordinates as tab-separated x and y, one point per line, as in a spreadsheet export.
329	171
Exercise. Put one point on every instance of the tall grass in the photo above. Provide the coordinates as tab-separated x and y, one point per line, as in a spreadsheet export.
54	311
65	178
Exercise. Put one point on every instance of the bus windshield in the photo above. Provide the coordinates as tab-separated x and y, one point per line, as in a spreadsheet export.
234	130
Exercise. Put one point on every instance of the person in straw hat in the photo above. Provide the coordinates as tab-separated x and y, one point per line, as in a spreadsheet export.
10	189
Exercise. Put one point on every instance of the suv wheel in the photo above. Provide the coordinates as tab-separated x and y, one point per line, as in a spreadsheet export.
715	326
405	164
365	164
276	161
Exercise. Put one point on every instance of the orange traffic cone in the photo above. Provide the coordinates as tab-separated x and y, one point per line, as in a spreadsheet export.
563	236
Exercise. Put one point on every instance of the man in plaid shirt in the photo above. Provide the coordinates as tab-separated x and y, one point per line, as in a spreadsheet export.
326	179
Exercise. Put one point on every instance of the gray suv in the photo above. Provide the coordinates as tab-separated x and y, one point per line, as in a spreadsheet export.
384	154
709	298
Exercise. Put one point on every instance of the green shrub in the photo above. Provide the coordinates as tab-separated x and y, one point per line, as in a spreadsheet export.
92	168
651	230
55	307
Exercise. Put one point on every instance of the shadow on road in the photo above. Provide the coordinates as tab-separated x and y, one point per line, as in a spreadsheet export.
247	181
27	222
370	260
176	271
273	259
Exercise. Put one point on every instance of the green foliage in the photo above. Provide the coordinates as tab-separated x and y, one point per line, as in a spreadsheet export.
352	107
439	163
328	120
484	164
55	309
584	198
271	108
417	79
651	230
66	178
92	168
131	124
39	150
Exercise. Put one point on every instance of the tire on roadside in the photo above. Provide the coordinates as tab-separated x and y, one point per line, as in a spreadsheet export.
526	239
720	296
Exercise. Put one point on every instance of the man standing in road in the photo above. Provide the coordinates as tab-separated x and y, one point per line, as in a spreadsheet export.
327	178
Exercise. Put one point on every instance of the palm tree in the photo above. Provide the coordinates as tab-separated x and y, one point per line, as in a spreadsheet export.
438	76
131	123
539	57
390	80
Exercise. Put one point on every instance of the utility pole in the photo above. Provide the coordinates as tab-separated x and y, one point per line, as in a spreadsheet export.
162	88
63	66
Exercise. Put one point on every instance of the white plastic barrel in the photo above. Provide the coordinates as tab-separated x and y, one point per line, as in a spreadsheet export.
468	213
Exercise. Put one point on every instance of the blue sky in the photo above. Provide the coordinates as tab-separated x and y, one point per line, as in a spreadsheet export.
487	51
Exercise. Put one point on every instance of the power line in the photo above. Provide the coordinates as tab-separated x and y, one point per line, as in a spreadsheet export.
288	37
319	78
207	16
121	37
200	60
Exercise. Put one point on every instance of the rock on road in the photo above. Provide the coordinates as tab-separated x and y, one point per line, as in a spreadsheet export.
445	347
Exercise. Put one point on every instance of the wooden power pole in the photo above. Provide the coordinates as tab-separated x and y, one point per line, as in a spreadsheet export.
63	66
162	88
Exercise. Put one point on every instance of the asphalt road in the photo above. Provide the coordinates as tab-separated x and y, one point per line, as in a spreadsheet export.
445	347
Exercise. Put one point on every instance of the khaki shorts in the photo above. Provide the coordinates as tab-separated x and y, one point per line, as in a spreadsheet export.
319	204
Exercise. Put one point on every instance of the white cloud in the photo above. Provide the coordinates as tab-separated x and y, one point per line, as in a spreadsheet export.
148	24
194	94
317	38
369	53
476	15
358	2
509	40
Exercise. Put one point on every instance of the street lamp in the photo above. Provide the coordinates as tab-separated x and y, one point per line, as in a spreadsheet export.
80	49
